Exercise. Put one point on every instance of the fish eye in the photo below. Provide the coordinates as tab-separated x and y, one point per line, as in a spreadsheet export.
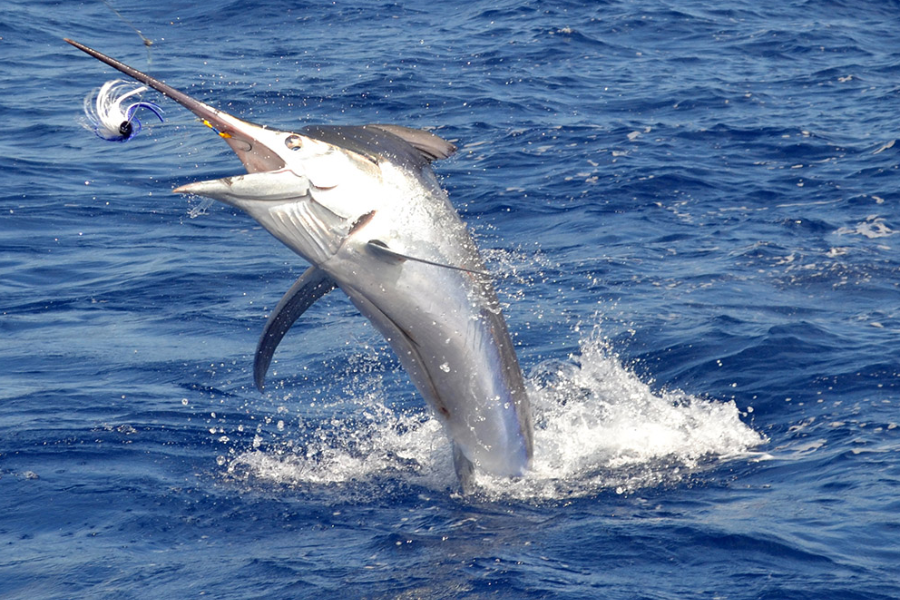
293	141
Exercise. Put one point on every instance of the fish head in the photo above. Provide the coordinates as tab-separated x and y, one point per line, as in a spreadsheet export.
305	191
294	168
311	202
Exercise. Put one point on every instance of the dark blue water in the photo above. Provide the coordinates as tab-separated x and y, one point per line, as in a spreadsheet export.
691	212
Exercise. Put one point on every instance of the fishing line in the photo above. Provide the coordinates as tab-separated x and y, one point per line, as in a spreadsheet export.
147	42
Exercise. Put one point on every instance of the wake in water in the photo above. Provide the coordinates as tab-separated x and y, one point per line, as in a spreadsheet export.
597	428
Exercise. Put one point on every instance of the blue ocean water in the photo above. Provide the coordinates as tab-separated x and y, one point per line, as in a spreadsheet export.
690	211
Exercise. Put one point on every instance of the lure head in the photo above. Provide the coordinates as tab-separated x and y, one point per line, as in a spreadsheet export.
126	129
109	113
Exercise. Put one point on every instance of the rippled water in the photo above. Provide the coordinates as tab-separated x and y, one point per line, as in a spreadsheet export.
690	212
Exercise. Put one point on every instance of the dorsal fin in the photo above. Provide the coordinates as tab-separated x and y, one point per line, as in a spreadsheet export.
414	148
429	145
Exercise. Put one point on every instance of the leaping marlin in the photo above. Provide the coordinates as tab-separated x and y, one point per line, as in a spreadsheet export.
362	205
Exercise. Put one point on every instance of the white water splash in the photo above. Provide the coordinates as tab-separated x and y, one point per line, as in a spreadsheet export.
597	428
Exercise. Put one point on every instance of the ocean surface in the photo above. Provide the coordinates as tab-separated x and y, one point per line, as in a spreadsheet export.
690	211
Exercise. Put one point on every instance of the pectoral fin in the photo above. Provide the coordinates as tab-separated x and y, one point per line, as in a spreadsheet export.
311	286
380	249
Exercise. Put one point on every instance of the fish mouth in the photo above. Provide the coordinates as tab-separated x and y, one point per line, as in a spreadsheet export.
255	145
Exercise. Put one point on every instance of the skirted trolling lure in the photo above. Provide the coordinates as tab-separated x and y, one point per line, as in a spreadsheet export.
109	117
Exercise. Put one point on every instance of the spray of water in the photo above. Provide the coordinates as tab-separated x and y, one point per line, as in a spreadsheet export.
598	428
